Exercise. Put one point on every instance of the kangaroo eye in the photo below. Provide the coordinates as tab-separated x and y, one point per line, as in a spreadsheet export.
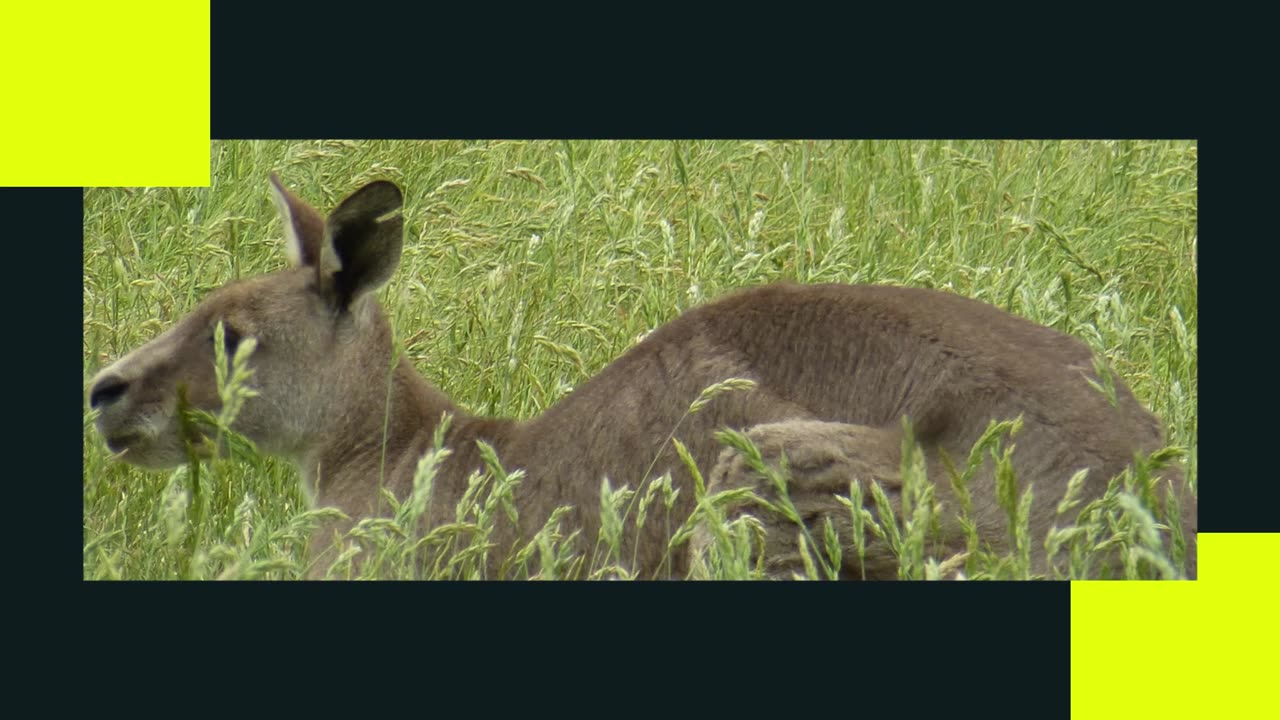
231	338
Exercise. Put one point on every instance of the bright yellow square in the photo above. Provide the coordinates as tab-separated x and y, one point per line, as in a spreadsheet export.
98	93
1182	649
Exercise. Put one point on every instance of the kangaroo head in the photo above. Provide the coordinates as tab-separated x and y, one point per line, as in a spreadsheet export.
321	340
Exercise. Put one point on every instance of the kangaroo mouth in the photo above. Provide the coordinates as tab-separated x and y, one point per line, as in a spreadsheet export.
145	450
123	441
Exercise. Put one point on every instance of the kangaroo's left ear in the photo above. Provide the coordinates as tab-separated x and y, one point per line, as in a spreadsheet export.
361	243
303	226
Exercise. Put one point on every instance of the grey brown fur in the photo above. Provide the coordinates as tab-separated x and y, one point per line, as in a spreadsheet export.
836	367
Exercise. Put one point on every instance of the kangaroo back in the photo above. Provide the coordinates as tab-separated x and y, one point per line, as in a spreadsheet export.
856	358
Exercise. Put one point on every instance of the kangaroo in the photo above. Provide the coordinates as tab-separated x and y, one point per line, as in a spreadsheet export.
835	369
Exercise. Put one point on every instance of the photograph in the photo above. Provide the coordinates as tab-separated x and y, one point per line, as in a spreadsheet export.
511	359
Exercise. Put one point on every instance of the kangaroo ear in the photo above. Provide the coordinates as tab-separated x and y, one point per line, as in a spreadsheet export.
362	241
303	226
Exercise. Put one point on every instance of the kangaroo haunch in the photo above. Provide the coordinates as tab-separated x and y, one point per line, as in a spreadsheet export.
835	367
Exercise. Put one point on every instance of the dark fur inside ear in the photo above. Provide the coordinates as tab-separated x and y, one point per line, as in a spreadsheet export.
365	234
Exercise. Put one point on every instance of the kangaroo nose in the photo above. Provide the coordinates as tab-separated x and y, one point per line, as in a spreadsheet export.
106	391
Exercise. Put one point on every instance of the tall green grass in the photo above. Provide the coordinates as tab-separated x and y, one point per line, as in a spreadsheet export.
528	266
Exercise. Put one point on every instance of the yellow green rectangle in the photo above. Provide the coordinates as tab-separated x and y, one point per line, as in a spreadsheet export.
104	94
1182	649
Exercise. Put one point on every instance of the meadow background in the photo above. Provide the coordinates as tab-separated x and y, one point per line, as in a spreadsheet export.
529	265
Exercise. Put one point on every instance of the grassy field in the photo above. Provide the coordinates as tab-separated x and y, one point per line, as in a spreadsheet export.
528	266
